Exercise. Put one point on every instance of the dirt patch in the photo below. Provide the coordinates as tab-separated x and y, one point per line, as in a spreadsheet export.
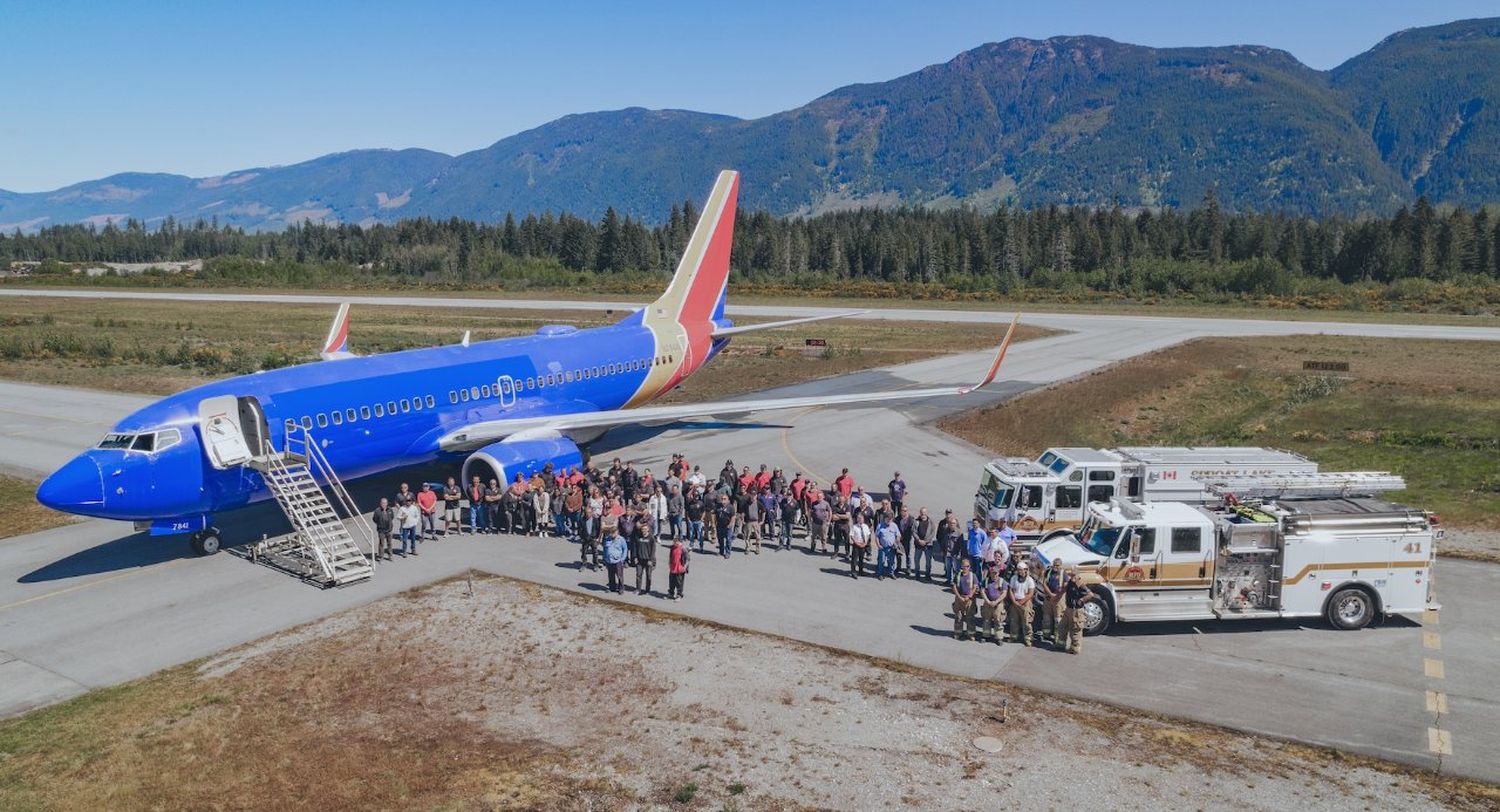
23	513
524	697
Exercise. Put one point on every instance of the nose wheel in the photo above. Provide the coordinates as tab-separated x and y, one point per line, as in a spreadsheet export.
205	542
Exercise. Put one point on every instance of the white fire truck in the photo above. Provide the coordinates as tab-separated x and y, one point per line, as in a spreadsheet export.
1045	498
1297	548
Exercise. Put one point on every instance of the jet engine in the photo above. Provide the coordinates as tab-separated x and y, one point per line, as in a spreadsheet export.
514	455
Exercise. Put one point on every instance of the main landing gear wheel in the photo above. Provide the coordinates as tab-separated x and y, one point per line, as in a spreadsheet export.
205	542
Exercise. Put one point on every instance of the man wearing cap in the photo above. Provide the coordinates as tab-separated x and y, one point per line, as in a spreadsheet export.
1022	589
950	544
1075	595
965	585
896	490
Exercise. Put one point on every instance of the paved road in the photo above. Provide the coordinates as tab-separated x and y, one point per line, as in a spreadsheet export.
92	605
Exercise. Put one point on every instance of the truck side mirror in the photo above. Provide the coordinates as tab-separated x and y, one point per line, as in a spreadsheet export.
1135	548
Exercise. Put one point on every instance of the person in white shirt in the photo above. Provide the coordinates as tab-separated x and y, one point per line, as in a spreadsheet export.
410	518
859	546
1022	588
1000	545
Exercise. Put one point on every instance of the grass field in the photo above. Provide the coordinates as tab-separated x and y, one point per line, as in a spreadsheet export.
1429	410
160	347
24	515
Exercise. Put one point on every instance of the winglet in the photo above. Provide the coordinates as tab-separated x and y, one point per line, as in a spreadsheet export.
999	357
337	344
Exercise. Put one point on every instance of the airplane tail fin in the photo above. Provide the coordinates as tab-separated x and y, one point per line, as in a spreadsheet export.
696	293
336	345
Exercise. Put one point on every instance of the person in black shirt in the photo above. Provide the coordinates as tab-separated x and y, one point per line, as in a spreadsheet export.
1075	595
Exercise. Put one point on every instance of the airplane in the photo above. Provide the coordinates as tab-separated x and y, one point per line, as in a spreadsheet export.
511	405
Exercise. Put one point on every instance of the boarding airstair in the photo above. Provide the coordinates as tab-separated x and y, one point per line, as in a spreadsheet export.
1323	485
322	547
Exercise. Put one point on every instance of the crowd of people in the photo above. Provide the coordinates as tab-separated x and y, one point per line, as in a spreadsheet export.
620	517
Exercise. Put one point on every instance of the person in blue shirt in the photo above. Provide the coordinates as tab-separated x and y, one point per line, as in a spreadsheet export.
976	546
614	561
887	536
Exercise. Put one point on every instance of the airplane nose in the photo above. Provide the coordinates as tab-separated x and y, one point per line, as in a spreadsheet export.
77	487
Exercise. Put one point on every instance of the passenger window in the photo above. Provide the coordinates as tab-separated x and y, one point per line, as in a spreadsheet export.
1101	476
349	413
364	412
529	383
405	405
291	426
167	438
144	442
1101	493
390	406
322	420
452	396
1069	497
1031	497
1187	539
431	401
306	422
463	395
568	376
1147	535
380	410
485	390
474	392
338	418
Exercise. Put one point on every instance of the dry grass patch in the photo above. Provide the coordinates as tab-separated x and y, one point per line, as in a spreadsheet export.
23	513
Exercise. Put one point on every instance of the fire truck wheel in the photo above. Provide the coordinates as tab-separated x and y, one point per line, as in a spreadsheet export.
1097	615
1351	608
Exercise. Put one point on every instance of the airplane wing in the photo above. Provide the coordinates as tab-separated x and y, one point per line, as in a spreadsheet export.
772	325
488	431
336	345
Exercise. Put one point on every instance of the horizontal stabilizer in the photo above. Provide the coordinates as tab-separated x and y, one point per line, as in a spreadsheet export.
772	325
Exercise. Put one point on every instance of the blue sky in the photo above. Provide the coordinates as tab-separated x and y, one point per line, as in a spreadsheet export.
202	88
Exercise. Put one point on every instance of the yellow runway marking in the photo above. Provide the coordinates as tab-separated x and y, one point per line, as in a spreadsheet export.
1439	742
1432	640
97	581
787	447
1432	668
1437	702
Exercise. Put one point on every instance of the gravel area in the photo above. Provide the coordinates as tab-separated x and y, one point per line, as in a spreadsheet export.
639	706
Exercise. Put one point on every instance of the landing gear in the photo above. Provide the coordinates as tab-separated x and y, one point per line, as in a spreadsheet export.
206	541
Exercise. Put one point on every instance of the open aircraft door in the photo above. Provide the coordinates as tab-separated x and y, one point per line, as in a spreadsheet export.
230	427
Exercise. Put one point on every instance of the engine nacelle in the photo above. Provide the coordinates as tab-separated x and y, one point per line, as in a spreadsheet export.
509	457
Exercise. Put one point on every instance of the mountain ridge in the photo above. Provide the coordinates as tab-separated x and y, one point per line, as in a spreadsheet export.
1072	120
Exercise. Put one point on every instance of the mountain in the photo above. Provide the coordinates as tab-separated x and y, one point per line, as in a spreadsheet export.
1067	120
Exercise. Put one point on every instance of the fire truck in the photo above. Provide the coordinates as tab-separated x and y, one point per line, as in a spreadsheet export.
1298	546
1046	497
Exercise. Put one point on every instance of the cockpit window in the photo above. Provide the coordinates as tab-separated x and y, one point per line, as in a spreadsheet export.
144	442
166	438
117	441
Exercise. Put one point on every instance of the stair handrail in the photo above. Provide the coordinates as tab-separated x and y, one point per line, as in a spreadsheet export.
318	464
277	467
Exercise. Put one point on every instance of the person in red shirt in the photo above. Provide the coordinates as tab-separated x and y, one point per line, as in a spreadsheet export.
844	484
762	479
427	501
677	573
798	484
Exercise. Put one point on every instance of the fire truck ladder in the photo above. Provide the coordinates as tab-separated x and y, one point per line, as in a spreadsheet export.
1332	484
321	547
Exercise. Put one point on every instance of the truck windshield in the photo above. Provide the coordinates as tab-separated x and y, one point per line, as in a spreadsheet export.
1002	496
1101	540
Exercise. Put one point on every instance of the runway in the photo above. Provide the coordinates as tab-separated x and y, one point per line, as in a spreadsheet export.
92	605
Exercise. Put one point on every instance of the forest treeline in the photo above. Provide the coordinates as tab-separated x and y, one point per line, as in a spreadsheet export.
1206	252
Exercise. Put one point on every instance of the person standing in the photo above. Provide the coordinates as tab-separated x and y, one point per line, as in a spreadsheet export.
1022	590
1050	590
677	564
950	544
541	505
410	518
887	537
843	485
492	496
859	546
573	505
676	509
694	507
992	605
644	554
896	491
384	519
906	524
724	516
843	518
751	516
977	546
1075	596
476	507
786	512
819	517
614	561
427	503
965	585
589	531
452	497
924	535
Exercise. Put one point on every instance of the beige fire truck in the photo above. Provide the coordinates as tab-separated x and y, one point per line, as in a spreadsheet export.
1045	498
1299	550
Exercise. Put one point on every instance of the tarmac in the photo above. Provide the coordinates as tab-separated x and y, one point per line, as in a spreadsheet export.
93	604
